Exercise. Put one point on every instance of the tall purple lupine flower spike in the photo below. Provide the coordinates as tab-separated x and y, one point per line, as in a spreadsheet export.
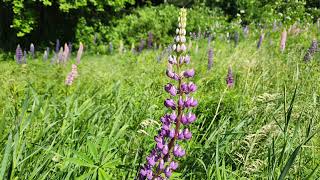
162	160
70	49
32	50
72	75
150	40
57	46
210	58
79	53
19	54
229	79
260	41
45	55
311	51
283	40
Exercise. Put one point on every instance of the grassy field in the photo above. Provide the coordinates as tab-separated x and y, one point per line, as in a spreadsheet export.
103	125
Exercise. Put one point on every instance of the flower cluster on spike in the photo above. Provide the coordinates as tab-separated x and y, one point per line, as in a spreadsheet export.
229	78
19	54
283	40
210	58
162	160
32	50
311	51
79	54
72	75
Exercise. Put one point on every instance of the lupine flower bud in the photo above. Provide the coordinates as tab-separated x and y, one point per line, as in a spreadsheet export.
189	73
32	50
229	79
210	58
192	87
190	118
283	40
260	41
172	60
19	54
187	59
178	151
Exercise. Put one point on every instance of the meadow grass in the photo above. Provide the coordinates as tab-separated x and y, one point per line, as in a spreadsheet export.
102	126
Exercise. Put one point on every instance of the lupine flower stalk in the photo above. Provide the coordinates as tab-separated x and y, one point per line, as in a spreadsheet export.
57	46
210	58
283	40
229	78
162	160
72	75
45	55
65	52
60	56
311	51
70	49
32	50
79	53
121	48
19	54
260	41
150	40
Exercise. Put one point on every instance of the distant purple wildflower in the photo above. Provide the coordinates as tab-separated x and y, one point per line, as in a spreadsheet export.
32	51
19	54
311	51
229	79
283	40
57	46
260	41
79	53
72	75
141	45
150	40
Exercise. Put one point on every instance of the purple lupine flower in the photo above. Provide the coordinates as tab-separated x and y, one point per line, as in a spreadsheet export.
210	58
229	79
161	162
150	40
19	54
70	49
311	51
32	50
72	75
60	56
79	53
57	46
65	52
260	41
